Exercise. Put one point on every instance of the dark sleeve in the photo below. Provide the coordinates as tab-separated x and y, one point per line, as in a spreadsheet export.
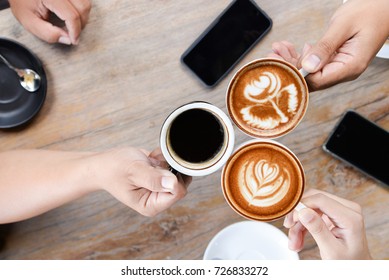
3	4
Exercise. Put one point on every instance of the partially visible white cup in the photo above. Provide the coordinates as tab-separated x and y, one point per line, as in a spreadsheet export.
249	240
197	139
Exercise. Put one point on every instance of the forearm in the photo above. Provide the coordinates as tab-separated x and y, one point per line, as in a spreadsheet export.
35	181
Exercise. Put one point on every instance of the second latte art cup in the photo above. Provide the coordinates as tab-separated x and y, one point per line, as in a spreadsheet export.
263	180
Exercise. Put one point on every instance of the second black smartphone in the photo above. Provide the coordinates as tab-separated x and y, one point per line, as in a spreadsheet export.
240	26
362	144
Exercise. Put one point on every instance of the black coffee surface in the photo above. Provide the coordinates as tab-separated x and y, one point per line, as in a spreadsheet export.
196	136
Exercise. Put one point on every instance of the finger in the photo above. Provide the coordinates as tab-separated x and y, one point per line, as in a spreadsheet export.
288	220
306	48
146	152
150	203
158	156
349	204
282	50
321	53
68	13
340	215
317	228
83	7
291	219
291	48
47	32
153	179
158	202
329	224
331	74
164	200
296	236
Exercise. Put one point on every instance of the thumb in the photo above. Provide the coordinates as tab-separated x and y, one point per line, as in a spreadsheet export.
317	228
321	53
154	179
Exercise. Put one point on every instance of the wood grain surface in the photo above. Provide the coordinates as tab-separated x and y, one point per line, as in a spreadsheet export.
116	88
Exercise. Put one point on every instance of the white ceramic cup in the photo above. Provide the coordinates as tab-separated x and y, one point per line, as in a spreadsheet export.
210	165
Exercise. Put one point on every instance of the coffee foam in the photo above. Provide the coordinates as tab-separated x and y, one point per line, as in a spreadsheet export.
263	181
267	98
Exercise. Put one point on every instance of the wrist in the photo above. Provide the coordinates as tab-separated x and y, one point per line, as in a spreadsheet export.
97	169
79	172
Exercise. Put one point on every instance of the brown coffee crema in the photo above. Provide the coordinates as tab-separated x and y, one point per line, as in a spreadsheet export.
263	181
267	98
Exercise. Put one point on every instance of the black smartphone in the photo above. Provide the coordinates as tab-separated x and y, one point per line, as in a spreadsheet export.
361	143
234	32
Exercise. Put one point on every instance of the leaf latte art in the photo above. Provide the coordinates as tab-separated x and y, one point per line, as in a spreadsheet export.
263	184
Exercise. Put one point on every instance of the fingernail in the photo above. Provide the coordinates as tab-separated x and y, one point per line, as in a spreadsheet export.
311	63
168	183
306	216
64	40
290	246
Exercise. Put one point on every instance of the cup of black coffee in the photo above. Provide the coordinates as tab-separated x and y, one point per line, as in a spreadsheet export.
197	139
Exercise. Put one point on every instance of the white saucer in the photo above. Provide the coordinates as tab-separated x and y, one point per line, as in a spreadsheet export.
249	240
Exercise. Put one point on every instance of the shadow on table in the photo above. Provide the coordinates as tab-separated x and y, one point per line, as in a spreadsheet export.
4	232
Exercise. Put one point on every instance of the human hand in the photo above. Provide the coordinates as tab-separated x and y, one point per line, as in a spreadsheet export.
139	179
356	32
285	50
34	16
335	223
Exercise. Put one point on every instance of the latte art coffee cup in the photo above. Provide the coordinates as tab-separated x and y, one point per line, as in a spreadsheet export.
267	98
263	180
197	139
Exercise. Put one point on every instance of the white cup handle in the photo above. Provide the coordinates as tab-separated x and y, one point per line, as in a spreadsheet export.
300	206
303	72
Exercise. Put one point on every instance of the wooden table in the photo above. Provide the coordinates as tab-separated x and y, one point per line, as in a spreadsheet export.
117	87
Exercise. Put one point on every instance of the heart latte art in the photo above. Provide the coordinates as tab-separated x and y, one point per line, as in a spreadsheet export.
263	184
267	98
263	180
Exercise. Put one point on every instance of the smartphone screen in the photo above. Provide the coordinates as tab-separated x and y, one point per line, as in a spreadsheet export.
362	144
240	26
